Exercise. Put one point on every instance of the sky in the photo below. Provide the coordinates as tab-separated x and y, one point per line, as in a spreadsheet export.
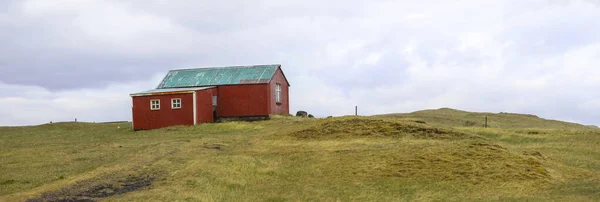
67	59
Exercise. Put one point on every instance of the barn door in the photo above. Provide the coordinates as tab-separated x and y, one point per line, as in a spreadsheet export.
214	103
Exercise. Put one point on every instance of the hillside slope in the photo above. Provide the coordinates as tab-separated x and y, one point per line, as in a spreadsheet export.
297	159
458	118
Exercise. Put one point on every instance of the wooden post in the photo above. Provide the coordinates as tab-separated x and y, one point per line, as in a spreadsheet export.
486	122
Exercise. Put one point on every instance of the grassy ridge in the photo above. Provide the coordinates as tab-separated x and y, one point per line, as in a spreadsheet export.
290	159
458	118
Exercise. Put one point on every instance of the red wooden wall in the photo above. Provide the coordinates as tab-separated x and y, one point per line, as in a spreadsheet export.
243	100
144	118
284	106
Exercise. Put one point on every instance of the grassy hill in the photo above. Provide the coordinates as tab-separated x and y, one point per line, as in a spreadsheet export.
458	118
301	159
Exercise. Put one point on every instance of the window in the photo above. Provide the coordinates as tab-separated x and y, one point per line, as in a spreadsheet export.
278	93
176	103
154	104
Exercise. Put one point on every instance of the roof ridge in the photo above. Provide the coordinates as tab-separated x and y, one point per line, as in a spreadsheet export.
225	67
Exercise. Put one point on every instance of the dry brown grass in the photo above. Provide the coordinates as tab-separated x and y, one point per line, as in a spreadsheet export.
476	163
296	159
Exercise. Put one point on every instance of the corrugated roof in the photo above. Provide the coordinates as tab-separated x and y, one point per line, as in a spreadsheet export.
218	76
169	90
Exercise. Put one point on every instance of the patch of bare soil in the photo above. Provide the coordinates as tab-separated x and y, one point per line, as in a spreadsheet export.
363	127
213	146
93	190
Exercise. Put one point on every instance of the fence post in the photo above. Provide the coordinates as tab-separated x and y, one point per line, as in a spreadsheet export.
486	122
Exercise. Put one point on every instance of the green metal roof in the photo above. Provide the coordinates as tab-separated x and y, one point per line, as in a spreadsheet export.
218	76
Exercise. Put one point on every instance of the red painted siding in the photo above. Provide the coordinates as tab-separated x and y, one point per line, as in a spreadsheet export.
144	118
243	100
204	105
284	106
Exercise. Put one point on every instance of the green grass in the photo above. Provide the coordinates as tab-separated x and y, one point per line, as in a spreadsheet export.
390	158
458	118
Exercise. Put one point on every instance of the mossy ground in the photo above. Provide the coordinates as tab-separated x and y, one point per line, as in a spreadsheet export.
300	159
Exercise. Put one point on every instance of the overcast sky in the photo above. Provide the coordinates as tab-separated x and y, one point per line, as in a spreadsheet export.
66	59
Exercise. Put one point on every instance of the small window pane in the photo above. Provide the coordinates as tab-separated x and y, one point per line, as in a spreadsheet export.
154	104
176	103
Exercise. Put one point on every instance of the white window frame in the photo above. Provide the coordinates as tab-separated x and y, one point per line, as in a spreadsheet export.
174	104
278	93
155	104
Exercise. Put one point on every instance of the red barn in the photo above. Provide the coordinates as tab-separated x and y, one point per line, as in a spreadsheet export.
193	96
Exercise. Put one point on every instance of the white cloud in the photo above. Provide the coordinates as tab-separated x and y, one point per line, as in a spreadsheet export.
30	105
109	26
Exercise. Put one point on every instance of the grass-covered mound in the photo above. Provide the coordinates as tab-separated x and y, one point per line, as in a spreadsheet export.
349	127
413	151
476	163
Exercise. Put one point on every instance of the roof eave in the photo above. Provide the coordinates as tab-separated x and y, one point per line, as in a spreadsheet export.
173	91
161	93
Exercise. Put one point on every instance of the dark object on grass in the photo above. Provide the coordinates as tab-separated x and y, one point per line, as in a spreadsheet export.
213	146
302	114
